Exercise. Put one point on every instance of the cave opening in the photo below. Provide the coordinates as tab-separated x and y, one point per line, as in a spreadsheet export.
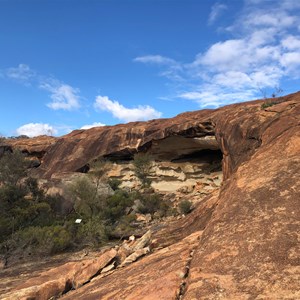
187	163
203	155
177	161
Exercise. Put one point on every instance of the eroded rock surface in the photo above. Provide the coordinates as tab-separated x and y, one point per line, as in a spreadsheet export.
250	247
61	279
249	230
156	276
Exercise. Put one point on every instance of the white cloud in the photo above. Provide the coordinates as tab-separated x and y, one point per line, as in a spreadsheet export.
269	18
35	129
291	42
140	113
233	79
264	50
21	73
172	67
223	56
290	60
155	59
216	10
95	124
63	95
214	96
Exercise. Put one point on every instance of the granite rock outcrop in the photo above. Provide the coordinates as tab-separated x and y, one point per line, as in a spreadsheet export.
241	241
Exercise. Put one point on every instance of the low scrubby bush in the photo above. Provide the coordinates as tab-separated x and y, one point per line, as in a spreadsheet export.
41	240
114	183
185	206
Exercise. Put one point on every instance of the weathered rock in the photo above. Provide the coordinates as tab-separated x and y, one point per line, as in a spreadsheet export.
134	256
143	241
156	276
143	218
249	248
35	147
108	268
61	279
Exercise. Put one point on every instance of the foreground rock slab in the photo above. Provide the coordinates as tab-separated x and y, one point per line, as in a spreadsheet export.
58	280
157	276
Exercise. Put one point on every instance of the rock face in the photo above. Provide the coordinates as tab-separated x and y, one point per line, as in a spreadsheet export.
168	176
241	242
56	281
160	280
250	247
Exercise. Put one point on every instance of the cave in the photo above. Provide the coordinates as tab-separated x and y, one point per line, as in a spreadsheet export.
178	162
206	155
184	162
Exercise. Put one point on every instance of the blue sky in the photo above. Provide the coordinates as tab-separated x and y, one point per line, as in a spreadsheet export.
68	64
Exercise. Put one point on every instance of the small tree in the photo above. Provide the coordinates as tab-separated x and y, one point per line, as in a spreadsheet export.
87	201
142	166
13	168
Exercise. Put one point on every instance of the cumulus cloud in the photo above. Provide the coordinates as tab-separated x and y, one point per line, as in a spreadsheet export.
36	129
95	124
263	50
140	113
216	10
63	95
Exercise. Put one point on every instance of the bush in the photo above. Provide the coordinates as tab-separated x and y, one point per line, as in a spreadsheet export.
123	227
92	232
87	201
152	203
57	239
142	166
267	104
185	206
13	168
116	205
40	240
114	183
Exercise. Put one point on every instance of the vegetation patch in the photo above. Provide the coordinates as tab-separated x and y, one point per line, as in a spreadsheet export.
34	223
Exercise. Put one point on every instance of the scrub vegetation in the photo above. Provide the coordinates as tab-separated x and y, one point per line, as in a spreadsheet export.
34	223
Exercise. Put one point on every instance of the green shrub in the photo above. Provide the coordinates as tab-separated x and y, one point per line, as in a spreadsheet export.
13	168
41	240
88	202
92	232
152	203
114	183
124	226
57	238
116	205
185	206
267	104
142	166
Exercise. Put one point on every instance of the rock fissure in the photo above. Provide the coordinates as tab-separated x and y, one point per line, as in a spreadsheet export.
185	275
